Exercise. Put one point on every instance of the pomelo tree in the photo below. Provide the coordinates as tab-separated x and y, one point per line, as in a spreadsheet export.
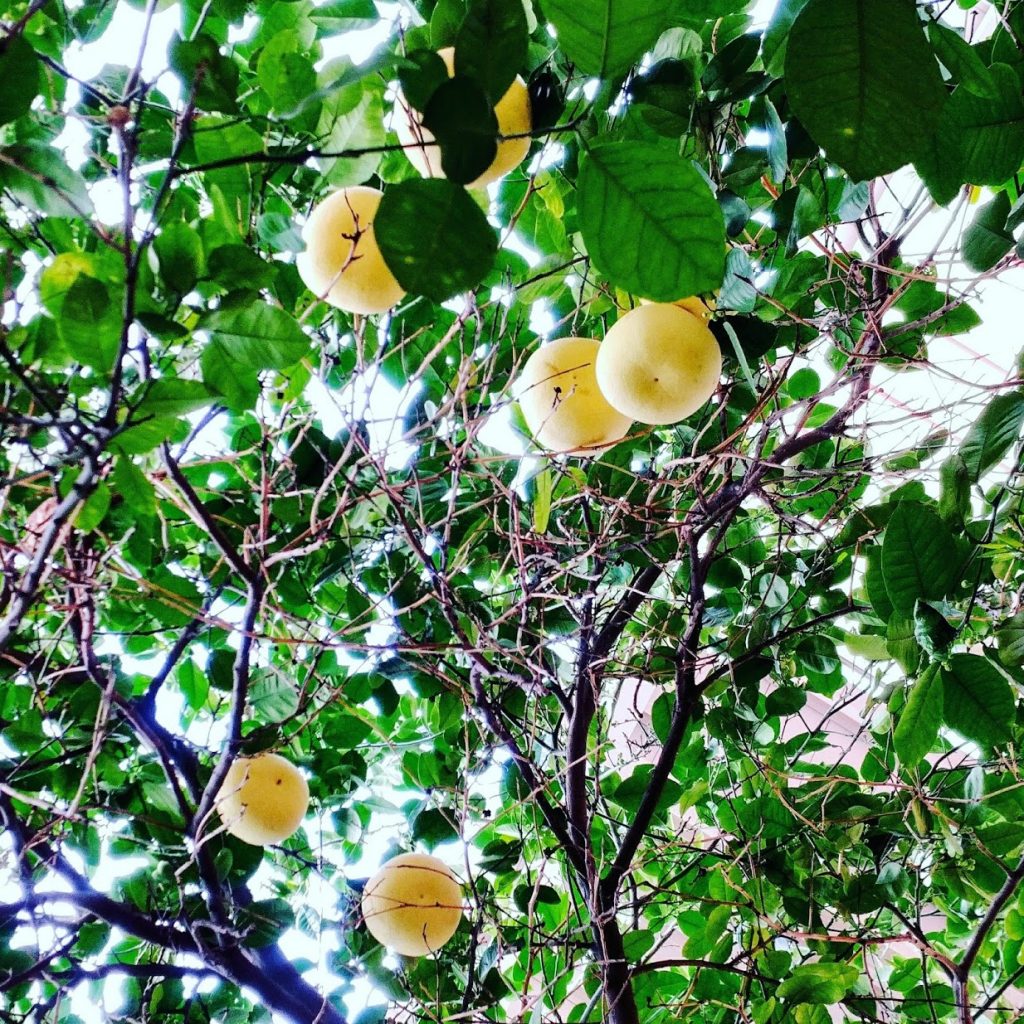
719	723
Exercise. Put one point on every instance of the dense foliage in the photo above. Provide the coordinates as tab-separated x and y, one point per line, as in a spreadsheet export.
603	689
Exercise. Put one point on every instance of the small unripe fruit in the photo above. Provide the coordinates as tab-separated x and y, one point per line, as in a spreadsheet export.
512	112
263	799
561	402
413	904
342	262
658	364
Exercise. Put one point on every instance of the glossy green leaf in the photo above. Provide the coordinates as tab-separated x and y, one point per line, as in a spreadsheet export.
862	80
461	118
39	178
977	700
649	220
180	251
825	983
917	557
604	37
918	727
987	240
993	433
491	44
435	239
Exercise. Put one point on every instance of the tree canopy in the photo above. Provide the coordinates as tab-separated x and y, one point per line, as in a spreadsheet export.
718	723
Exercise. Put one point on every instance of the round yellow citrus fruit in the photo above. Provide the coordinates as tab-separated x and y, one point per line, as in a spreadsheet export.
263	799
561	402
658	364
341	262
700	307
413	904
512	112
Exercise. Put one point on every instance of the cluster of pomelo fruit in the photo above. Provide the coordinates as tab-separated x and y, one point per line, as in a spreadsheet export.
413	904
342	262
658	364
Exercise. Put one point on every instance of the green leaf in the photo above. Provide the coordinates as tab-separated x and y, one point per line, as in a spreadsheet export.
420	76
257	336
932	631
39	178
649	220
344	16
604	37
978	701
542	501
95	507
918	727
180	251
824	983
216	139
462	119
273	698
778	155
1010	637
20	73
982	139
286	75
90	323
863	81
962	61
202	68
901	642
491	44
917	559
173	396
987	240
776	35
955	490
434	237
133	485
992	435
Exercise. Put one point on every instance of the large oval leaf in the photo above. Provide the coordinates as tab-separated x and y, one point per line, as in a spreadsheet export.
864	82
650	222
604	37
434	238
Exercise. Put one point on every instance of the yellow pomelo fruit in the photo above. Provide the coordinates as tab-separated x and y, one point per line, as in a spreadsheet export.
561	402
658	364
342	262
702	308
512	112
263	799
413	904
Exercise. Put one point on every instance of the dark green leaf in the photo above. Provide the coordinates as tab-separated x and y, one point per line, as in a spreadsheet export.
917	557
133	485
993	434
434	238
491	44
180	251
202	68
461	118
902	644
863	81
918	727
650	221
987	240
1010	636
604	37
344	16
932	631
20	74
977	699
420	76
962	61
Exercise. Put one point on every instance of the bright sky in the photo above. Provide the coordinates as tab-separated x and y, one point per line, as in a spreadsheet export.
986	355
